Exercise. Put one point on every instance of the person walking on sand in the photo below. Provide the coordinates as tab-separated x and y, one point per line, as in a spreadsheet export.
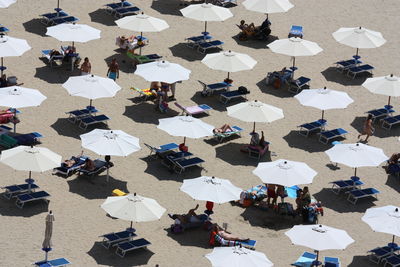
113	70
86	67
368	129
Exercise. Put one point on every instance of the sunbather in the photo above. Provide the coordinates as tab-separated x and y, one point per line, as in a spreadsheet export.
113	69
368	129
392	164
305	198
227	235
86	67
223	129
73	160
248	30
89	165
189	217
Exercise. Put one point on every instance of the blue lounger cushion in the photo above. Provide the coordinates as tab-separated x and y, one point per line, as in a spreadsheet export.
93	120
114	238
167	147
32	196
306	128
392	260
131	245
218	85
53	263
118	5
28	139
226	96
200	38
327	135
126	10
20	187
360	69
388	122
55	15
65	20
356	194
331	262
203	46
305	260
186	163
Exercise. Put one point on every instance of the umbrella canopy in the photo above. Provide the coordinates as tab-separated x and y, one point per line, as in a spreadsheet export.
133	207
268	6
285	172
110	142
12	47
384	220
324	99
229	61
359	37
386	85
66	32
6	3
295	47
211	189
185	126
237	257
142	23
91	86
162	71
48	231
20	97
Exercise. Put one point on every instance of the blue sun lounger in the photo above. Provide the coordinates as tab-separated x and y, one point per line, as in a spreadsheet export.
60	262
356	194
70	19
49	17
307	128
161	150
209	89
126	11
171	159
393	261
67	171
110	8
99	166
29	197
353	71
28	139
123	248
326	136
353	183
221	136
296	31
77	115
331	262
376	255
346	64
381	112
227	96
182	165
297	85
113	239
305	260
194	41
388	122
90	120
13	190
204	46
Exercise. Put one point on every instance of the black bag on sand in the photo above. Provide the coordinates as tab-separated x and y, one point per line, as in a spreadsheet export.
243	90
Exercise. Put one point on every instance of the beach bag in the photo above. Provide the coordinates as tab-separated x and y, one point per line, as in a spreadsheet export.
243	90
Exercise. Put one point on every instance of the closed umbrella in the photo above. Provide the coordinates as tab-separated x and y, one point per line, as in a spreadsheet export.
386	85
6	3
359	37
11	47
255	111
206	12
324	99
229	61
268	6
133	208
237	257
80	33
384	220
212	189
47	244
285	172
356	155
20	97
319	237
162	71
91	87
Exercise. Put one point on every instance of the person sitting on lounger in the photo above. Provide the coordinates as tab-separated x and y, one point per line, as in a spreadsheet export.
189	217
305	198
89	165
223	129
248	30
227	235
72	161
392	164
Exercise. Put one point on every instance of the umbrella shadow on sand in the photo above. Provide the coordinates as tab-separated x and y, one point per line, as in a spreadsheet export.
332	75
211	101
181	50
231	154
65	128
95	187
310	143
146	113
254	43
339	202
358	124
269	89
167	7
393	182
8	208
55	75
196	238
109	258
101	17
361	261
35	26
268	219
124	62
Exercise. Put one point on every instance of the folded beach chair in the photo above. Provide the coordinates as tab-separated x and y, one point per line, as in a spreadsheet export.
388	122
60	262
49	17
68	171
194	41
69	19
28	139
193	110
326	136
356	194
353	71
331	262
295	86
182	165
305	260
161	150
123	248
376	255
90	120
7	141
13	190
32	196
307	128
227	96
99	166
141	59
221	136
344	65
113	239
77	115
126	11
209	89
381	112
110	8
204	46
393	260
353	183
296	31
144	93
256	153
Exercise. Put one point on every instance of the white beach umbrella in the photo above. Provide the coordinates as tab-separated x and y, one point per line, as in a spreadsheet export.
212	189
356	155
229	61
268	6
386	85
6	3
91	87
319	237
66	32
20	97
133	208
359	37
206	12
255	111
185	126
162	71
285	172
11	47
324	99
384	220
295	47
237	257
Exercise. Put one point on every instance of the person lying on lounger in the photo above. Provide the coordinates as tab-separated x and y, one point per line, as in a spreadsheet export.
223	129
227	235
72	161
392	164
189	217
89	165
248	30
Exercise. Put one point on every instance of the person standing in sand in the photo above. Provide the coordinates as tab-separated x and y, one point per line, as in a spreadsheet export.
368	129
113	70
86	67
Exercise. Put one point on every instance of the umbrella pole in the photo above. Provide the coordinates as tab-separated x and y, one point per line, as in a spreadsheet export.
323	114
108	158
254	127
316	262
184	140
14	121
355	172
389	101
228	75
2	66
140	47
205	27
357	52
90	104
58	4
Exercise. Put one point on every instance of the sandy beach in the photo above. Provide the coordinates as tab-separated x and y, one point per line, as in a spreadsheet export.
75	202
